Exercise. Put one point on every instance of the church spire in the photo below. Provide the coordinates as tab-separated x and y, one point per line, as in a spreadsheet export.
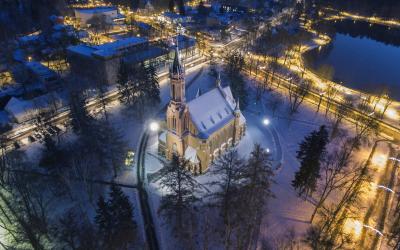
177	64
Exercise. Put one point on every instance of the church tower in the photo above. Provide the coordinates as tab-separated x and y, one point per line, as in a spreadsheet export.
177	113
177	77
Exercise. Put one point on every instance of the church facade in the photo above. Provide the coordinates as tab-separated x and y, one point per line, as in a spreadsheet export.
200	130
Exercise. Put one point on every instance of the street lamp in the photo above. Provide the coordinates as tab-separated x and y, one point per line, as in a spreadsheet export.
154	126
266	121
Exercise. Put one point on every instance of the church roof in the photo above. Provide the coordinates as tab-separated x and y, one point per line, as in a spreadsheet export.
212	110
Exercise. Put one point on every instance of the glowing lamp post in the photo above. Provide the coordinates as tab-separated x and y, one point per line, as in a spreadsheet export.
154	126
266	121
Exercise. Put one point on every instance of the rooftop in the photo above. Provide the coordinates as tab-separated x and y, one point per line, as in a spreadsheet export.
143	55
212	110
107	49
95	10
39	69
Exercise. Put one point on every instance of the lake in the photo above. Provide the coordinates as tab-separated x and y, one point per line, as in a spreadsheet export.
363	57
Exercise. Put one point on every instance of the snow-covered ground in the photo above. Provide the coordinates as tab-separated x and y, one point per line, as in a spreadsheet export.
282	137
286	211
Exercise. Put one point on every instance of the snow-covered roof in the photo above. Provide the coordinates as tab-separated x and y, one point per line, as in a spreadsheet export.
108	49
23	110
19	109
212	110
96	10
82	49
39	69
191	155
143	55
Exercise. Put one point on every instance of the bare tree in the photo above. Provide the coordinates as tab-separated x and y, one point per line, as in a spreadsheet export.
274	102
230	168
334	218
335	174
297	93
382	103
331	92
365	121
24	207
343	109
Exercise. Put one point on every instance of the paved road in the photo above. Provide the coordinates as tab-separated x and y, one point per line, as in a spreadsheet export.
151	235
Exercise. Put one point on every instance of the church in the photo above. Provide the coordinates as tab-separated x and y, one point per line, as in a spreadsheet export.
200	130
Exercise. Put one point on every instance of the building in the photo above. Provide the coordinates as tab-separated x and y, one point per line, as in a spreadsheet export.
42	74
84	14
20	110
102	62
202	129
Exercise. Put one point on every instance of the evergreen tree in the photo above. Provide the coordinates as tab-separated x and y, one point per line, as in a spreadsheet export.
80	118
75	233
235	63
238	86
152	85
104	220
176	205
54	159
310	154
139	87
107	143
124	230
